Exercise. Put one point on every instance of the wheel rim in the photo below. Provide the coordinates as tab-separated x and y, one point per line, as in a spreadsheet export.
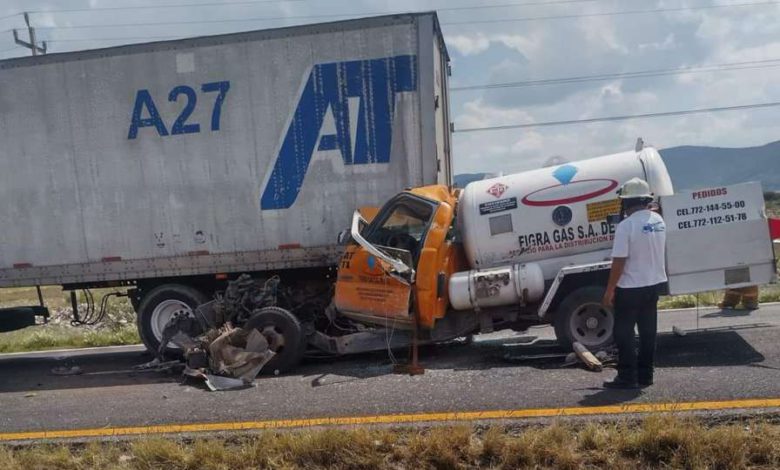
275	338
163	313
591	324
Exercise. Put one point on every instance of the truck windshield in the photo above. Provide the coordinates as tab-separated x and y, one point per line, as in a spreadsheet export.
401	225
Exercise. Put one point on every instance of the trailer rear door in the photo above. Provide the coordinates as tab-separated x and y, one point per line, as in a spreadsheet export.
717	238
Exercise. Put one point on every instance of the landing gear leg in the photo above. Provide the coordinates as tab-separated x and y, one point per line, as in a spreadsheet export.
413	367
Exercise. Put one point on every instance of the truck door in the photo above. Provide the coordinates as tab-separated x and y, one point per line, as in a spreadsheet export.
717	238
368	286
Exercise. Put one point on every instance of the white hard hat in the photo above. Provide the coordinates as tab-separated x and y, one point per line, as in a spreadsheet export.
635	188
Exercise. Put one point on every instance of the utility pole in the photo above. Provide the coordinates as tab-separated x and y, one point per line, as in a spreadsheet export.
33	44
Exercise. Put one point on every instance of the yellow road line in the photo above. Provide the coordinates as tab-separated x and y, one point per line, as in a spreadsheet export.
397	419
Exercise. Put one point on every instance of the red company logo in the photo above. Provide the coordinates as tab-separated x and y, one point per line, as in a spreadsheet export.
569	191
497	190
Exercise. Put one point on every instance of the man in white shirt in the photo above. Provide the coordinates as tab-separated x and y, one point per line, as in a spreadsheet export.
638	273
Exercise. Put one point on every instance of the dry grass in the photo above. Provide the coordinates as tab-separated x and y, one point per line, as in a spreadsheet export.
118	329
769	293
657	442
42	337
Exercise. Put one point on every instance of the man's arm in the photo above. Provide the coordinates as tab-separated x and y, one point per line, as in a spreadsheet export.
619	256
618	264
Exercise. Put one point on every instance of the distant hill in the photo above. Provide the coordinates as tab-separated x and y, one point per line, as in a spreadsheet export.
694	167
463	179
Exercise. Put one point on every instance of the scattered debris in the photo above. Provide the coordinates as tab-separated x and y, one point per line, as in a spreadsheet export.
218	383
30	395
221	345
587	357
535	357
535	351
571	359
157	365
679	331
64	370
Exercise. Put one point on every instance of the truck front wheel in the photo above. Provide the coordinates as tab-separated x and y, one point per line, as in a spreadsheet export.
161	304
284	335
580	317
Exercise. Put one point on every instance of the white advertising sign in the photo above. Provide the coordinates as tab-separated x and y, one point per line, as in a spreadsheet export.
717	238
714	206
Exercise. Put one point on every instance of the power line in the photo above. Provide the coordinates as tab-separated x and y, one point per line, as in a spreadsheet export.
175	5
611	13
10	16
453	23
126	38
753	64
346	15
253	2
619	118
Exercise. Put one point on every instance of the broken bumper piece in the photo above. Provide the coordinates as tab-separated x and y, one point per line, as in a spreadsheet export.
226	358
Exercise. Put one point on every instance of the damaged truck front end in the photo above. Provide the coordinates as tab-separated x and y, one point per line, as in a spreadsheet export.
390	292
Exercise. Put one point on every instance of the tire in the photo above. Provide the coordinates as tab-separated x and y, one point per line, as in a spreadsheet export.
581	317
279	321
158	305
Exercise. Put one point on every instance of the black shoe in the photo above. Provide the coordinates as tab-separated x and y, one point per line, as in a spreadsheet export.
645	382
619	383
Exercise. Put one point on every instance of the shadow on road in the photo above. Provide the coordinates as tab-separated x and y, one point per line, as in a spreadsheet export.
98	370
605	397
717	348
728	313
705	349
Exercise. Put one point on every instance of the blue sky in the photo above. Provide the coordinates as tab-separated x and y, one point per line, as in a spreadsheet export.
516	51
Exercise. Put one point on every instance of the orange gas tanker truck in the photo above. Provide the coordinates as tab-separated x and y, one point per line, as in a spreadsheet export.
506	252
436	263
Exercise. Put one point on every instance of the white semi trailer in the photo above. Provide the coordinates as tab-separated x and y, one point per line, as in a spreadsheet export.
173	166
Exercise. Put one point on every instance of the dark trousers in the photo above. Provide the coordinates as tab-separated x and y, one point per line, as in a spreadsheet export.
636	307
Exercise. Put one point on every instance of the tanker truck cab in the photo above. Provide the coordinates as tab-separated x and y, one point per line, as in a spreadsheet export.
398	264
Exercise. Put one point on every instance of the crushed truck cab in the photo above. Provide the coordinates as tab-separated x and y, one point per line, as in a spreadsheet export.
401	261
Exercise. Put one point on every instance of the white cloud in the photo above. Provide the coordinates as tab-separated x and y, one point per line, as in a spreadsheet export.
477	114
468	44
599	32
471	44
667	44
529	46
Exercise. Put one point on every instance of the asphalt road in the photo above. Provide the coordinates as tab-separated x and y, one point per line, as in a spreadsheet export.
733	355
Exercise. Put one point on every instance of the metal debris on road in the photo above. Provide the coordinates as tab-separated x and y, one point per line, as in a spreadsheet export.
587	357
678	331
215	349
64	370
218	383
581	355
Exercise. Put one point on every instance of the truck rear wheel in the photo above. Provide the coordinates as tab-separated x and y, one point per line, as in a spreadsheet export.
580	317
284	335
161	304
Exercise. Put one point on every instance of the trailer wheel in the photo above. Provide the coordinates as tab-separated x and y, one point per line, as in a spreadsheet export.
159	305
581	317
284	335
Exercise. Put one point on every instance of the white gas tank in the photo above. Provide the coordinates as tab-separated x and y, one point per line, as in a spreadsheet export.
551	214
